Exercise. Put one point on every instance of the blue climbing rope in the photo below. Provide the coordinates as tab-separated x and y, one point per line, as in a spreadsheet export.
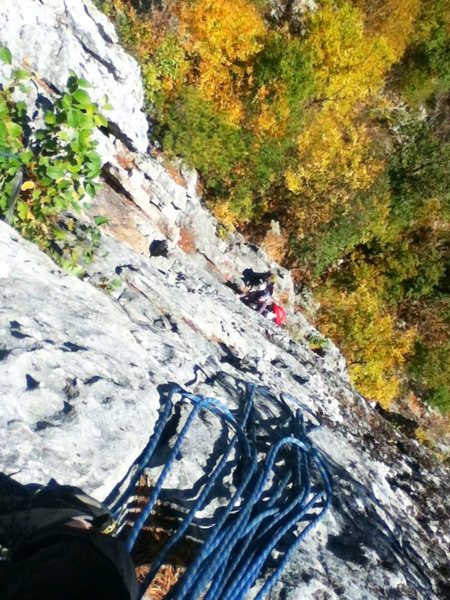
281	490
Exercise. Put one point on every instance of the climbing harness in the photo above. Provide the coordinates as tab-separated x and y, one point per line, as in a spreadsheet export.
280	489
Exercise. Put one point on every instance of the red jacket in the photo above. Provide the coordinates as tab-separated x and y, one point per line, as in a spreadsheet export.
280	314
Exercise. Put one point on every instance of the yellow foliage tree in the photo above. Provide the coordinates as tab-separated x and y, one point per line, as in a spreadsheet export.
223	37
349	61
374	346
393	19
273	112
334	161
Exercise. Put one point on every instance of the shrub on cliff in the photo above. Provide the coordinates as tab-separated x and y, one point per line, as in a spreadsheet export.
48	169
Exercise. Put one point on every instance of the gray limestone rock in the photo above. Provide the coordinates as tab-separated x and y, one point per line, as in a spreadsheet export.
79	374
293	10
54	37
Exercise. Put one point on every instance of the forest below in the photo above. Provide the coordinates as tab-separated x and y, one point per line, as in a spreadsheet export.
330	118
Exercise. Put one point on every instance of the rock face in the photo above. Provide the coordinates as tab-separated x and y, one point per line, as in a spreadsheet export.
80	361
54	37
292	11
80	365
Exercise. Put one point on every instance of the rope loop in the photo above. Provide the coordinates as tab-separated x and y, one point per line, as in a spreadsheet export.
279	490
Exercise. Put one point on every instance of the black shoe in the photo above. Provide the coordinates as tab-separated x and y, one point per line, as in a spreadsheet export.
26	509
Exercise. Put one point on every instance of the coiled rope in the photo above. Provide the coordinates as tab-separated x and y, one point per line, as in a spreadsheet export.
281	490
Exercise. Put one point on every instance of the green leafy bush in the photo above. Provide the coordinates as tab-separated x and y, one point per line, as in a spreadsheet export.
418	166
284	63
425	69
440	398
194	130
49	170
431	369
351	227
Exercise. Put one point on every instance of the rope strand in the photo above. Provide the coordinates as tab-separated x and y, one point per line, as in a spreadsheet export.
281	492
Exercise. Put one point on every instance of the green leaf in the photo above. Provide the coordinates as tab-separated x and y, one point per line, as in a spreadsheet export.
82	97
89	122
14	129
84	138
22	210
60	203
83	83
40	134
66	101
107	106
72	82
50	118
59	234
114	284
21	108
93	157
101	220
74	203
72	268
100	120
73	167
90	189
26	156
55	172
92	165
63	135
25	89
21	74
95	235
75	147
64	184
5	55
73	118
94	171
